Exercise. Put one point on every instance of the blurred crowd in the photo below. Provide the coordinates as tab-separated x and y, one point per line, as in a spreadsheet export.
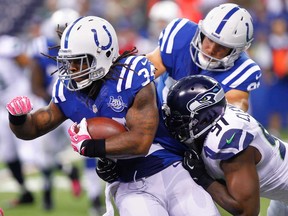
139	23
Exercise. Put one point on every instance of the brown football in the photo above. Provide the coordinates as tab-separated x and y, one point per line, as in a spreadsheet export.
102	127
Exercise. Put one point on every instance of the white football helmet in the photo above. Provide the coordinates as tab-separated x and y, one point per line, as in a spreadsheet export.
228	25
160	14
89	40
58	21
164	10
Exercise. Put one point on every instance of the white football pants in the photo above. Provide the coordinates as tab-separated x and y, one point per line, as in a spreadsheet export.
171	192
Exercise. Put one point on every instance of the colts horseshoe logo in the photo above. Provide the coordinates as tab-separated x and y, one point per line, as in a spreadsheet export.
247	36
97	41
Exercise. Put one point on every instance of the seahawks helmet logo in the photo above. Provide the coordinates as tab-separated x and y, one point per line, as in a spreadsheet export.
209	98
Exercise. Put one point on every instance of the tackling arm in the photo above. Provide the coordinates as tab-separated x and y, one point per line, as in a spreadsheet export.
241	194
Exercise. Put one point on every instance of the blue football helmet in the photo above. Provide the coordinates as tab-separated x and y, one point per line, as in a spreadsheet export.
194	104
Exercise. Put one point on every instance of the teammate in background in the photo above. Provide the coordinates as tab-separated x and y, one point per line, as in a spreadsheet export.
94	80
159	16
12	56
232	145
215	47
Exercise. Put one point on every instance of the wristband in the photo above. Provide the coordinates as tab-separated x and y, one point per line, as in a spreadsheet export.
205	181
94	148
17	120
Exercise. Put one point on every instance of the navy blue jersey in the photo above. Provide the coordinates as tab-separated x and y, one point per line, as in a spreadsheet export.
113	101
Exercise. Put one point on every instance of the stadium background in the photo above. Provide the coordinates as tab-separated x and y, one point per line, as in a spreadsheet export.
22	18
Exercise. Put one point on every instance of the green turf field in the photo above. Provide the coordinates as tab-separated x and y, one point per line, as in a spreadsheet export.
66	205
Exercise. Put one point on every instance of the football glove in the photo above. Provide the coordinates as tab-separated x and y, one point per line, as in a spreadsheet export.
18	109
78	134
20	105
107	170
194	164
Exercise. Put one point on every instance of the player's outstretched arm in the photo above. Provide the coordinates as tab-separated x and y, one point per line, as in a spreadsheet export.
29	125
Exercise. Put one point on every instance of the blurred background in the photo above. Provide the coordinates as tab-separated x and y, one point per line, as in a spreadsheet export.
139	24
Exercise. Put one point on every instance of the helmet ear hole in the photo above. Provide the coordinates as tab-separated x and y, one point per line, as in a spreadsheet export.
108	54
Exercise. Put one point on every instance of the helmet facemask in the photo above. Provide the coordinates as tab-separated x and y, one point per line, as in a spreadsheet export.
88	71
194	105
207	62
179	123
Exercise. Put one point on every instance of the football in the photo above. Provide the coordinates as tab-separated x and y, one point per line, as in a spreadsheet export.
102	127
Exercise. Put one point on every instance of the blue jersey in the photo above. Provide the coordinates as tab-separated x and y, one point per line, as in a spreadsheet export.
113	101
175	45
175	52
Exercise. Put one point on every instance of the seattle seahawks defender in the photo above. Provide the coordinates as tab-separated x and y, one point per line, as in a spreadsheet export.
234	147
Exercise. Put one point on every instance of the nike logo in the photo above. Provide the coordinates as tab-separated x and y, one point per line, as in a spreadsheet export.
176	164
228	141
144	63
258	76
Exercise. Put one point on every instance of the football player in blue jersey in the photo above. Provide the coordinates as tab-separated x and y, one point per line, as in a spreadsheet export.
214	47
230	144
42	84
94	80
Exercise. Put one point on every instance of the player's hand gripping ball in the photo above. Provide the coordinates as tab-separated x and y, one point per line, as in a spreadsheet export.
103	128
93	128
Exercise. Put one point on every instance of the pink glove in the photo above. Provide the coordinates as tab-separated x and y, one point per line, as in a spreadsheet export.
20	105
78	134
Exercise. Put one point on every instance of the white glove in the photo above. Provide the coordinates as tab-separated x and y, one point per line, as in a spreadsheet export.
78	134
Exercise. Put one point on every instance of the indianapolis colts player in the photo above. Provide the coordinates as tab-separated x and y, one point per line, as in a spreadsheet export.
215	47
233	146
94	80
